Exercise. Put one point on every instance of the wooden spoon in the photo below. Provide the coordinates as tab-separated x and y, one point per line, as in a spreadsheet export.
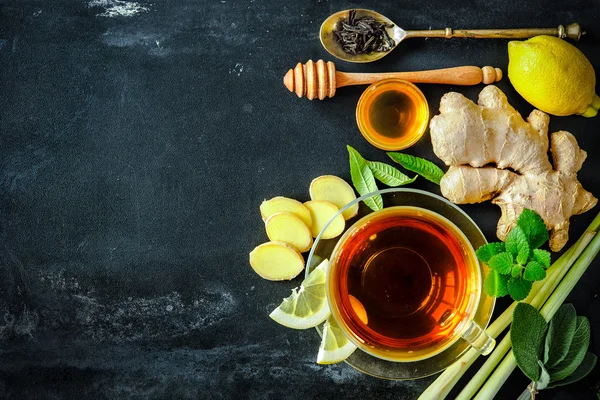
329	40
320	79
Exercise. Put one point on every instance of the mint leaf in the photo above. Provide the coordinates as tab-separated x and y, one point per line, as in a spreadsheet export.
544	380
501	262
518	288
576	354
389	175
560	335
586	366
363	179
527	333
516	270
534	271
542	256
516	243
495	285
534	228
487	251
421	166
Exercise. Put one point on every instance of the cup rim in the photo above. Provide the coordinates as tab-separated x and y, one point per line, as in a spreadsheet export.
383	191
472	306
367	134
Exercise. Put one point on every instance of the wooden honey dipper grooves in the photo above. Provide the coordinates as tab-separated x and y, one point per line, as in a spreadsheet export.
320	79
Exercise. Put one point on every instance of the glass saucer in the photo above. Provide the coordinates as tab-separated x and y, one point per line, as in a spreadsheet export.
322	249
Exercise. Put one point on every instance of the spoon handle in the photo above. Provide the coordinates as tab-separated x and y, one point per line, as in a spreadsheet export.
572	31
464	76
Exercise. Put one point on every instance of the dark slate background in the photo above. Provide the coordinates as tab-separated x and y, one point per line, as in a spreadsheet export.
135	151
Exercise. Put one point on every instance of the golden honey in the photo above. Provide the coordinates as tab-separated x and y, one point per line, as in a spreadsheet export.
392	114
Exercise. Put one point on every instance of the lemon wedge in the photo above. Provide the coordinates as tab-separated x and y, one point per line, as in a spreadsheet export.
335	346
307	306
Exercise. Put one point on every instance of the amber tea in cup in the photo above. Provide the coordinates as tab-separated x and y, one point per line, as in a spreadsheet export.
404	285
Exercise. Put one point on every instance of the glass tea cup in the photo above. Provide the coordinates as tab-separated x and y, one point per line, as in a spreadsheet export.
405	285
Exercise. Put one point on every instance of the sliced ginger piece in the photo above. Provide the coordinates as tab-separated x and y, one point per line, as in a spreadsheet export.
321	212
283	204
289	228
276	261
336	191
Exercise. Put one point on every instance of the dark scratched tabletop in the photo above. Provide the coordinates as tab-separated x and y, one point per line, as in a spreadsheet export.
137	140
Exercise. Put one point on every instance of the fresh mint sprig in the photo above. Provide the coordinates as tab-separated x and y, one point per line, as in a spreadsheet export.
364	173
552	354
518	262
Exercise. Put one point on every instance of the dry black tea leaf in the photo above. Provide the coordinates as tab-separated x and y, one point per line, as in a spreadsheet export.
363	35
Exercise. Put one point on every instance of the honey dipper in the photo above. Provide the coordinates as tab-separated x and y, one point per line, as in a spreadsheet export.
320	79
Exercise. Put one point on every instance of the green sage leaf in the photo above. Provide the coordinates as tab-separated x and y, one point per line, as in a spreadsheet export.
534	271
542	256
544	380
534	228
527	333
487	251
421	166
495	285
576	353
363	179
586	366
518	288
389	175
560	335
516	243
502	263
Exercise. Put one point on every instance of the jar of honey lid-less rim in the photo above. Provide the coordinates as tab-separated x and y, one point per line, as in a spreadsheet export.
392	114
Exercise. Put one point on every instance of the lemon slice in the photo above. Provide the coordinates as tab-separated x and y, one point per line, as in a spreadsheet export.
307	306
335	346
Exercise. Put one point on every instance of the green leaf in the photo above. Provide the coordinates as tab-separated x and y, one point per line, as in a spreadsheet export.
527	333
495	285
363	179
421	166
516	271
517	245
389	175
542	256
518	288
560	335
586	366
544	380
534	228
501	262
576	354
534	271
487	251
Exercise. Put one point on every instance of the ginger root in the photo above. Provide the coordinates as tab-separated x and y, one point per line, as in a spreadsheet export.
336	191
288	228
276	261
283	204
494	154
321	212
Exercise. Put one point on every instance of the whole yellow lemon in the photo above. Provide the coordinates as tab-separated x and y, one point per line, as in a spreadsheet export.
553	75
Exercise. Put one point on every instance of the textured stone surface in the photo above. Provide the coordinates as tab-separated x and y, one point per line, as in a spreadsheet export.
137	140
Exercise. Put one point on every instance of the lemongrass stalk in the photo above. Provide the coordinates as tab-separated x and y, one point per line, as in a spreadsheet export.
440	388
486	369
555	273
444	383
507	366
